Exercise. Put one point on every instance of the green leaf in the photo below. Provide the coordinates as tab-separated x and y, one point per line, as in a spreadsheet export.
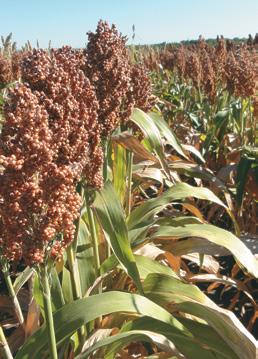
194	151
84	258
217	130
123	339
206	335
152	136
57	297
142	217
119	170
241	177
188	298
216	235
177	290
144	264
22	279
147	266
205	342
67	285
76	314
37	293
112	220
167	132
150	130
194	170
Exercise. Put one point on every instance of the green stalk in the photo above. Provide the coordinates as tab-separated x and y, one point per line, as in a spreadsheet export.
242	124
71	257
5	351
73	268
12	294
128	202
252	122
75	282
105	177
74	271
94	237
199	93
48	311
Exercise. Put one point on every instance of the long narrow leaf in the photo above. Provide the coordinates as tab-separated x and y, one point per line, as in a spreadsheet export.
73	315
112	220
188	298
216	235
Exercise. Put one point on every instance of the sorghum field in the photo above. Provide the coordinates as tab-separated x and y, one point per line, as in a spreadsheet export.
128	200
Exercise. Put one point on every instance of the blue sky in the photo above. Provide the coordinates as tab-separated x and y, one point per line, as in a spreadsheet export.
66	22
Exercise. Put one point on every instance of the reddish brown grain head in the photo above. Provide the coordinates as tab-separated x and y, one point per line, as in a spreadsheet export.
194	68
141	88
108	69
50	140
208	80
240	73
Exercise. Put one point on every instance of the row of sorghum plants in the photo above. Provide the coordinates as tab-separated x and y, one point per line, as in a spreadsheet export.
210	68
205	82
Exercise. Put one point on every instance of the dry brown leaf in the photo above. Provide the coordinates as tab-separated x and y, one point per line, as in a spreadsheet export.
194	210
131	143
32	322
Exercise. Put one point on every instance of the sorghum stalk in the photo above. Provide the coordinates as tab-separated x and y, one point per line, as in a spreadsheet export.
242	124
73	266
129	183
4	347
252	121
11	292
43	275
72	261
75	276
75	281
105	176
94	237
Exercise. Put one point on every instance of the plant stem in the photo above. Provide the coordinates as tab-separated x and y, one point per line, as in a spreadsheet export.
94	237
12	294
73	267
75	241
75	281
129	184
72	261
242	124
75	278
48	311
5	351
105	177
252	122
